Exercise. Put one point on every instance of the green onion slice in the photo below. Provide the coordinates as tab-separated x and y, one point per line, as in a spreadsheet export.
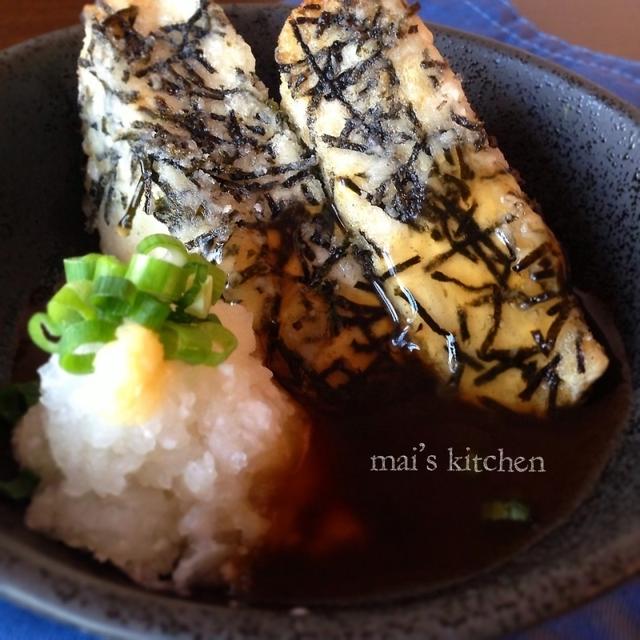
82	268
206	343
77	363
44	333
506	510
164	248
196	277
87	335
162	287
202	303
80	341
149	311
71	304
162	279
109	266
15	399
21	487
114	294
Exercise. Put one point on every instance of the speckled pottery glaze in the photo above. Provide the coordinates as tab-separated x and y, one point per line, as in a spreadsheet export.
579	151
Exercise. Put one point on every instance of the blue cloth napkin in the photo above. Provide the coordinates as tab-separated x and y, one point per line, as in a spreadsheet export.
615	616
499	19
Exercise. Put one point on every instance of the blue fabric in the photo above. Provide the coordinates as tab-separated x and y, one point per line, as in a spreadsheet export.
19	624
498	19
615	616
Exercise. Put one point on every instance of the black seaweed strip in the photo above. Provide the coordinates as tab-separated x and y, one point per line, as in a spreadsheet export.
323	78
441	209
555	309
537	379
428	319
296	177
543	274
553	382
506	362
340	143
464	327
399	268
494	405
507	355
532	257
469	360
364	286
465	171
409	205
308	195
366	311
465	122
489	263
470	240
496	320
352	75
442	277
335	255
557	324
462	186
544	346
109	194
526	302
580	354
376	249
493	373
302	165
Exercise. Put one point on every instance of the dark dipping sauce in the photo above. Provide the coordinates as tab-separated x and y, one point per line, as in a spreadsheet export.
346	533
365	535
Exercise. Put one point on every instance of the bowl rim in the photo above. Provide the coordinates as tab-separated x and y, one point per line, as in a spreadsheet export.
21	567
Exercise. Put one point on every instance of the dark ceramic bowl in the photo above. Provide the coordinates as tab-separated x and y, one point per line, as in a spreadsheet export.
579	152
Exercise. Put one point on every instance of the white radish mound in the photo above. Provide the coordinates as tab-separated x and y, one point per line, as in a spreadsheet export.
181	499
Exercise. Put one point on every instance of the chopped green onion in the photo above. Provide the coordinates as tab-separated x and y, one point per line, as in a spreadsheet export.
109	266
506	510
77	362
29	392
162	279
39	326
206	283
114	294
164	248
206	343
87	335
80	341
219	276
15	399
196	277
149	311
202	304
21	487
218	282
70	303
82	268
162	287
